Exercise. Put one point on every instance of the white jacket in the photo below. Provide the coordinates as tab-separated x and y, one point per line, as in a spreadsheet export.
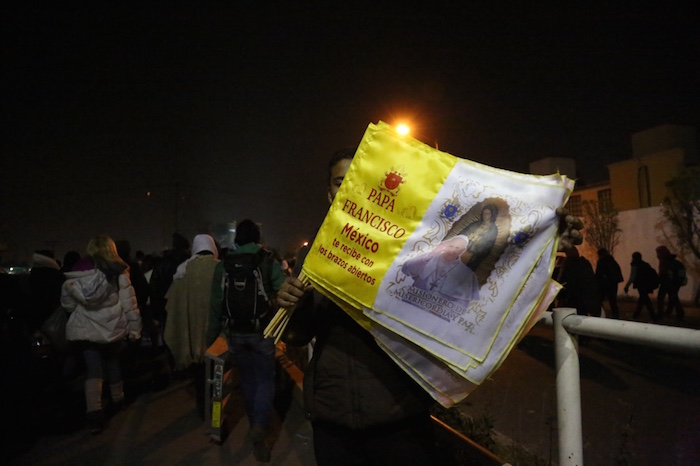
100	312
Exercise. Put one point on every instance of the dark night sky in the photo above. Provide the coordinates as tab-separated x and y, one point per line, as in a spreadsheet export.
241	106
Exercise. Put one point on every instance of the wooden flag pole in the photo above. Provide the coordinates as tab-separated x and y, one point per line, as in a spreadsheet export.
279	322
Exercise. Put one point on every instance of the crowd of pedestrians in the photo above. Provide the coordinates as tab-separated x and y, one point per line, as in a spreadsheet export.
118	306
587	290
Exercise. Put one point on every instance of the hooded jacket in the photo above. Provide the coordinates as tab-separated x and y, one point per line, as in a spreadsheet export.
100	312
188	303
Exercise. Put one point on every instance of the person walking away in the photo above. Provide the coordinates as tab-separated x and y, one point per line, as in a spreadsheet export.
644	278
103	314
243	290
188	303
672	276
581	290
130	358
70	258
161	279
45	282
609	275
136	275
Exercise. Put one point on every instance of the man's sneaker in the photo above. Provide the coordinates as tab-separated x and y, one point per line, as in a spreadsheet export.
260	449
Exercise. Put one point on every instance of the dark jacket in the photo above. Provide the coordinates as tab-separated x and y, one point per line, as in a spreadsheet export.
608	272
45	282
161	279
581	289
643	276
138	280
350	381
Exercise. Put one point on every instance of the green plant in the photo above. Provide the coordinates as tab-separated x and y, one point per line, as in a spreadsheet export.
518	456
480	430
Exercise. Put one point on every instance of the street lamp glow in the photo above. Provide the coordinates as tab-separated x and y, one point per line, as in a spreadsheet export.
403	130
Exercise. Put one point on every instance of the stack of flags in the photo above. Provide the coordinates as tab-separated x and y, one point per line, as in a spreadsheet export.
445	261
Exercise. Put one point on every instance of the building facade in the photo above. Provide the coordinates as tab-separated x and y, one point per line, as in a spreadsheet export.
636	188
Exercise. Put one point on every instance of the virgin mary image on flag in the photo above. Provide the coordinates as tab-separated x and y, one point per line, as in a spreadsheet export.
442	273
487	226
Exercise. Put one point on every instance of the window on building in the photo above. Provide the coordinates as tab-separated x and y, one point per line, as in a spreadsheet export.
605	200
574	206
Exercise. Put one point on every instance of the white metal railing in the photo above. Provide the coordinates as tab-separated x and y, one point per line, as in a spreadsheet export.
567	324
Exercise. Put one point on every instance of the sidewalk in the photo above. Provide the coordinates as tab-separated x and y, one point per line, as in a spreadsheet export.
628	305
640	405
164	428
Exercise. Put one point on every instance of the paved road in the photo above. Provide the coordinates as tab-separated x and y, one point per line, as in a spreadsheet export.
640	406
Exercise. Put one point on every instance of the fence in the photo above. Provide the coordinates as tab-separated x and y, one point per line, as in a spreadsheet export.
567	324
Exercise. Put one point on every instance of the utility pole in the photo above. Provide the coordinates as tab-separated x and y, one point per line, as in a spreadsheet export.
177	202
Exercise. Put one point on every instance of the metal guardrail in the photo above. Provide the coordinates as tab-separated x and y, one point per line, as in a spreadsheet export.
567	324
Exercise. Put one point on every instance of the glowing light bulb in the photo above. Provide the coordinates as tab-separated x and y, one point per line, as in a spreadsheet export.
402	129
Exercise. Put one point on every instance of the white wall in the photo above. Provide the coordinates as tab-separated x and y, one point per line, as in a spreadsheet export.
643	230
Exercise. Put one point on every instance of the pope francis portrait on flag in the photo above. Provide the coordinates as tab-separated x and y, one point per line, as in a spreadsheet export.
442	272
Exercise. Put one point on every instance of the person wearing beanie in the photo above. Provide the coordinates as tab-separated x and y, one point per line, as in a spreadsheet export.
187	302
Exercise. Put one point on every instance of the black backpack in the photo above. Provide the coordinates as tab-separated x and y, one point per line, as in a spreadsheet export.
246	305
680	276
647	279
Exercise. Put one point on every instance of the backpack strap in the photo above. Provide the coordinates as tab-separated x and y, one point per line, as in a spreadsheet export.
265	266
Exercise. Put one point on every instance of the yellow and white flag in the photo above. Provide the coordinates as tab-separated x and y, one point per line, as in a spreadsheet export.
430	250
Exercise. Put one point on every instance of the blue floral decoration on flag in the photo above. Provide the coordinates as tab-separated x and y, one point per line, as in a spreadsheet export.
450	210
521	237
